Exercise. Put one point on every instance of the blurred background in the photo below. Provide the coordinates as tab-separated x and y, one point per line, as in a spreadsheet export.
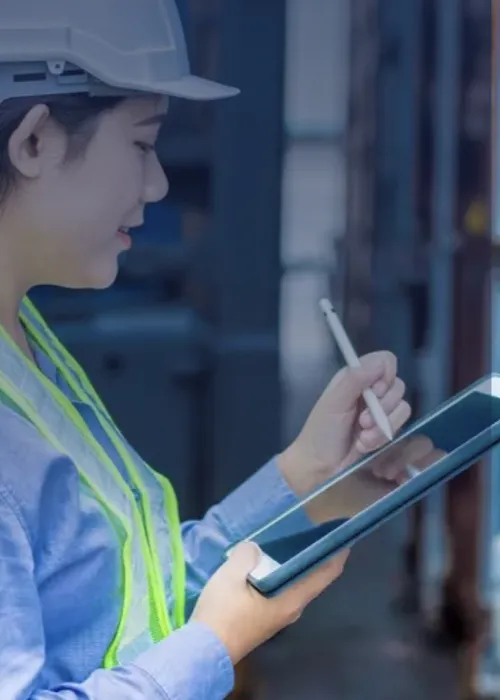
359	162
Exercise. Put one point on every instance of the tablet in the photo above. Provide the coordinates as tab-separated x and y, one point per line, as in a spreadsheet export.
359	499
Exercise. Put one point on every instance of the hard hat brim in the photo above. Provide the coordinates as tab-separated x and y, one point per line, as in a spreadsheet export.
192	87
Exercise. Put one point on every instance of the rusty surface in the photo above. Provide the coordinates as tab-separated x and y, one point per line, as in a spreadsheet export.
463	619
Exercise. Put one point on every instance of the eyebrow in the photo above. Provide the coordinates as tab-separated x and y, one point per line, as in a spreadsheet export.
151	121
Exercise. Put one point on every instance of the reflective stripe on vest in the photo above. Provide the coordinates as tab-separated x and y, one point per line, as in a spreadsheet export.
149	532
164	526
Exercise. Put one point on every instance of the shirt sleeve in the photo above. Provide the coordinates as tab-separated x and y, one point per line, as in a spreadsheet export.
260	499
191	664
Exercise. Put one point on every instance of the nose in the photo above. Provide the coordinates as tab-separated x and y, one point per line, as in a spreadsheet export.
156	184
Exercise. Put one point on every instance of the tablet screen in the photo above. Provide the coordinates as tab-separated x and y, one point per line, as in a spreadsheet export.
387	470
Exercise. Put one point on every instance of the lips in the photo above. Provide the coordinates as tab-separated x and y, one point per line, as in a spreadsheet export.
124	235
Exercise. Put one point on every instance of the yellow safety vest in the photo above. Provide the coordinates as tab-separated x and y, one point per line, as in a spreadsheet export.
147	523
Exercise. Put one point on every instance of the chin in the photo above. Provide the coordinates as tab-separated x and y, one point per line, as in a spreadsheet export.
99	279
104	284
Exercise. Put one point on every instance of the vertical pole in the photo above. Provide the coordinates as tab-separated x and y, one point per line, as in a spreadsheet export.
395	204
490	670
244	416
361	142
443	207
462	613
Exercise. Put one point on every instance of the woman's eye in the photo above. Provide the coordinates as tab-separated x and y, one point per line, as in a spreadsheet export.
145	147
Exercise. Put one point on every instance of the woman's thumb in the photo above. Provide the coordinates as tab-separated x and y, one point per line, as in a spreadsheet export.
244	558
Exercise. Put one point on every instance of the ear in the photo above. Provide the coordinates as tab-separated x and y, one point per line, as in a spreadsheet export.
28	143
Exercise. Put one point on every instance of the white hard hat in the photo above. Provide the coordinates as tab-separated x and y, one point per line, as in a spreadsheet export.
101	47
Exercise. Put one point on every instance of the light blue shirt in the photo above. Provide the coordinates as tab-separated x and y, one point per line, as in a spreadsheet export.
59	564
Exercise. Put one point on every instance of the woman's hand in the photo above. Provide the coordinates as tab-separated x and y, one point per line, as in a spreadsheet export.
381	475
340	429
240	616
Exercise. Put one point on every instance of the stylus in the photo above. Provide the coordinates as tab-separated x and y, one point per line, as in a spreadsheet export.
352	360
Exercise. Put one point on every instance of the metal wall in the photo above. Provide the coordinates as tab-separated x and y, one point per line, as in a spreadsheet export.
418	260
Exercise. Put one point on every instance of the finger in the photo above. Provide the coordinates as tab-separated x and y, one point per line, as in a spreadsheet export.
325	576
373	438
419	453
416	453
400	416
315	583
389	400
397	454
332	569
426	461
421	465
349	383
385	362
243	559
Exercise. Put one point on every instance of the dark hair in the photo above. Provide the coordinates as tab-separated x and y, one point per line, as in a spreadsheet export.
77	115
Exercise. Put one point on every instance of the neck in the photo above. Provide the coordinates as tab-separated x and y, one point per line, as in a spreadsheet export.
9	319
10	302
13	288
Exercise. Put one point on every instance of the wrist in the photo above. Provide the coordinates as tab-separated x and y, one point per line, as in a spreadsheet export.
301	476
196	653
222	633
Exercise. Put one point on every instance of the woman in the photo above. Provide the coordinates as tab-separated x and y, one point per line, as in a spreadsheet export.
104	595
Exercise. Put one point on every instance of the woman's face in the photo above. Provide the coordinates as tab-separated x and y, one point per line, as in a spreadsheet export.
70	213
